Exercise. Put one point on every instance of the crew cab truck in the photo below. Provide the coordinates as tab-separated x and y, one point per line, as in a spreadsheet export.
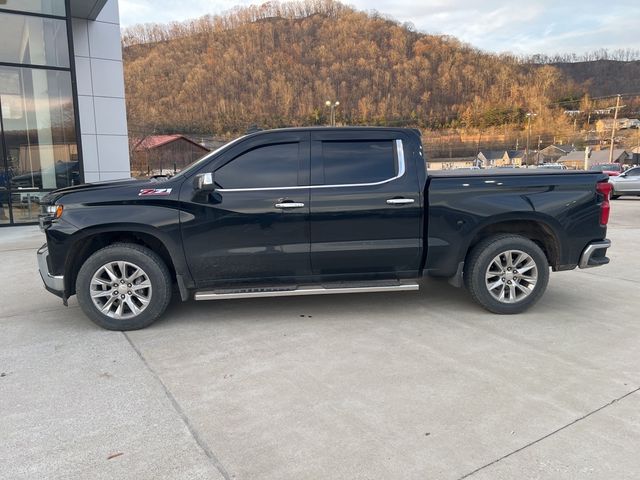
307	211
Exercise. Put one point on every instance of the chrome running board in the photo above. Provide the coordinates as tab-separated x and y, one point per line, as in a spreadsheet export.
264	292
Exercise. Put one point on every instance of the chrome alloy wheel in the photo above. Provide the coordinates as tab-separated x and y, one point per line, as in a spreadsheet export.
120	290
511	276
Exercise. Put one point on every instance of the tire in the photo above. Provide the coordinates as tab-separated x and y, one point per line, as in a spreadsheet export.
488	266
131	305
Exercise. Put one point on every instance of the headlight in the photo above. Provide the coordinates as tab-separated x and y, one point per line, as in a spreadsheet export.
54	211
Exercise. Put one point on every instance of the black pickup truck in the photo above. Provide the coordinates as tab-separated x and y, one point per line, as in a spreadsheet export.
309	211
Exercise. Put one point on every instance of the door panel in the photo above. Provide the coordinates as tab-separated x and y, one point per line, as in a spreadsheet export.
253	228
630	182
368	228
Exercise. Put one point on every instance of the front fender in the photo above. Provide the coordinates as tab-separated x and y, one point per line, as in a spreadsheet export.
83	227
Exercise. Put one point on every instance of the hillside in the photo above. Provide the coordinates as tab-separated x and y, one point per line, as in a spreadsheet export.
277	64
603	77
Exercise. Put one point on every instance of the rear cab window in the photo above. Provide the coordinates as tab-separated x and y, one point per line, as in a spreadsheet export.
360	157
354	162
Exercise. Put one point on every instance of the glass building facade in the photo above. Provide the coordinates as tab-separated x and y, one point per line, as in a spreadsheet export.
62	108
39	149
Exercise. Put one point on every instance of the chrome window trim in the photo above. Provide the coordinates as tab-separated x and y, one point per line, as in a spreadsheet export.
401	171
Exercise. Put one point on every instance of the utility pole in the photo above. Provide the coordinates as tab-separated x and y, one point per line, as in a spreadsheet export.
613	128
637	149
526	155
587	154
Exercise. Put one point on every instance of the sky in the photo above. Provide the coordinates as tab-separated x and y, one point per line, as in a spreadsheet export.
520	27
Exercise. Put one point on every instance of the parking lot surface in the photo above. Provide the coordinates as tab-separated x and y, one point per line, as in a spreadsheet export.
369	386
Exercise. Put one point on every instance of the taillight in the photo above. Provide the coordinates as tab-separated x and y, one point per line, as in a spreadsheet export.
604	189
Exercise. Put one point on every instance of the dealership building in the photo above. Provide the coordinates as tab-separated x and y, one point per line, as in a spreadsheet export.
62	108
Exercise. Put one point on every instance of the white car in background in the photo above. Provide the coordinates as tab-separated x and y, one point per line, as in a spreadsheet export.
627	183
552	166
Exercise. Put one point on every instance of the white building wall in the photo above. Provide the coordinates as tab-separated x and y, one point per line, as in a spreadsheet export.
101	105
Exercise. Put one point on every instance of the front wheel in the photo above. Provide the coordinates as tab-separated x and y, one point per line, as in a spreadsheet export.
506	274
123	287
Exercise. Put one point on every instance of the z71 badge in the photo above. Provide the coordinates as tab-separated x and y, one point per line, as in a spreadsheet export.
145	192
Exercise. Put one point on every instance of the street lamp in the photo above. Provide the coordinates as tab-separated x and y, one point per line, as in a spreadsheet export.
529	115
332	106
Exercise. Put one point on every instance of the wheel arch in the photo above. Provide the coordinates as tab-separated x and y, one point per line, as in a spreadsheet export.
535	229
90	240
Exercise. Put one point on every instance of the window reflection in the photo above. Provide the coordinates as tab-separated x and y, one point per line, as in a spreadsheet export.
47	7
25	205
38	149
33	40
4	190
39	128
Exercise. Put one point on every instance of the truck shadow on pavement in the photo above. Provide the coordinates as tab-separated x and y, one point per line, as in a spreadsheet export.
436	300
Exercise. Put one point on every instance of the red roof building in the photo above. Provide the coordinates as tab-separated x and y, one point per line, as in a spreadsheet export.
162	154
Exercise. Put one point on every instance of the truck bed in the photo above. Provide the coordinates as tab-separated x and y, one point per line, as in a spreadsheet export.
461	202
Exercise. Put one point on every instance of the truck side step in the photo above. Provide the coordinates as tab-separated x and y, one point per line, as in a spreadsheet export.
307	290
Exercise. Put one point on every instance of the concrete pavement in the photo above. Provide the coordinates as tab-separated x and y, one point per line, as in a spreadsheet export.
371	386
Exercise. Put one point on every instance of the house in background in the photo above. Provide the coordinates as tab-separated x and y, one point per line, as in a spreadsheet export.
606	124
163	154
209	142
552	153
451	163
517	157
491	158
500	158
575	159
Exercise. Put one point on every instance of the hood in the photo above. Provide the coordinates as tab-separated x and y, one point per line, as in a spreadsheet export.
54	196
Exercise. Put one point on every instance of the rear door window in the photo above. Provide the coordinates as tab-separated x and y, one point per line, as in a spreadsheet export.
263	167
354	162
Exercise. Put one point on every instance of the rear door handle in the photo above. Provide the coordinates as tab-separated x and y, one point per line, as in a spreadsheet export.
289	205
400	201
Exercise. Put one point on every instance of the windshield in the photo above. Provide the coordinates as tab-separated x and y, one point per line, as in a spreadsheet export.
198	163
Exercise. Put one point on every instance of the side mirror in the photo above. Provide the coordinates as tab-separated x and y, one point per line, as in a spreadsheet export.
204	182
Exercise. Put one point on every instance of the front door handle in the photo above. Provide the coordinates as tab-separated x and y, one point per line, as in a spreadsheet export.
400	201
289	205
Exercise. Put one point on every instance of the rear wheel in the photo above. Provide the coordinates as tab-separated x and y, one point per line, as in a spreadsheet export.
506	273
123	287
